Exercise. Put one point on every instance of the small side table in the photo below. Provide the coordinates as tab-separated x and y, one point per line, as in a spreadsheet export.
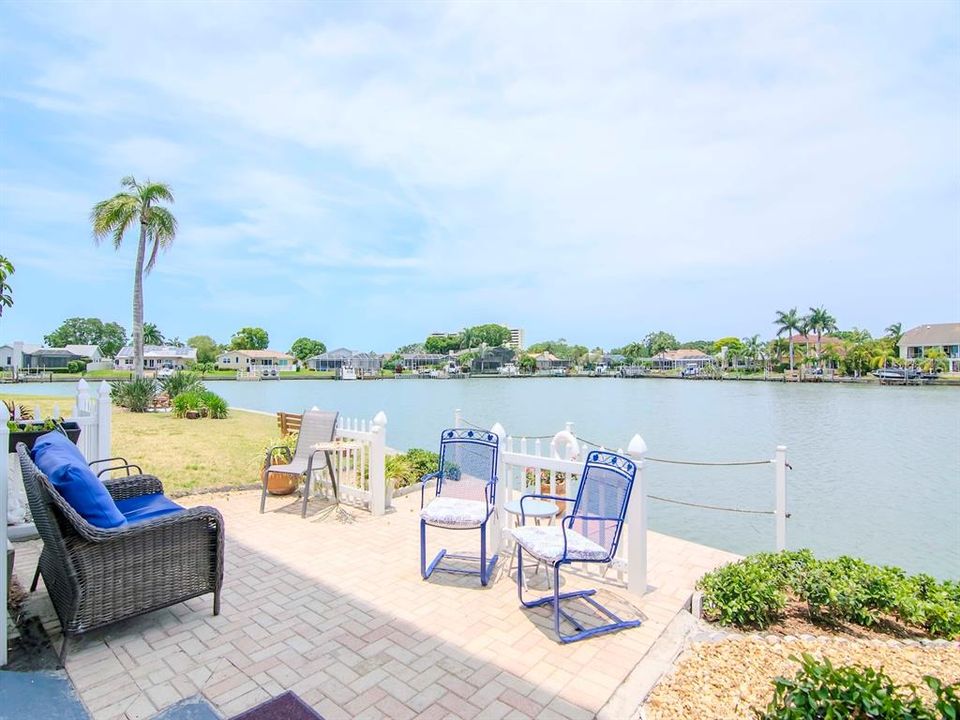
536	509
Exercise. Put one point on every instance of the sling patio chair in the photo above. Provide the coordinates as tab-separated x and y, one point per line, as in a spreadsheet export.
464	498
590	533
316	426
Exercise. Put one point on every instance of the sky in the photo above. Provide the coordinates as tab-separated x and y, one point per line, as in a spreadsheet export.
368	173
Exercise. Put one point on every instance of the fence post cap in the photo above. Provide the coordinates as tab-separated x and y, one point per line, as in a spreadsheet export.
380	418
104	388
82	385
781	448
637	446
500	431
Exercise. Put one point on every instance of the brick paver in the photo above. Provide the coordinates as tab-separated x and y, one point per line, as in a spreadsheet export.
337	612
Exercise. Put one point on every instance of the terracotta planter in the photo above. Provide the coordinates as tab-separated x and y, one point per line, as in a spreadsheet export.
281	483
561	489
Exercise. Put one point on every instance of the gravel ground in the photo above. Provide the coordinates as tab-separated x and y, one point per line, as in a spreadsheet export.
733	678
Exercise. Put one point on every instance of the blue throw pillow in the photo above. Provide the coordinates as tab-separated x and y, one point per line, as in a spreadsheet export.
63	463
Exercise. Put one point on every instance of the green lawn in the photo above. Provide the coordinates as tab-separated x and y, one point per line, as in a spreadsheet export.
186	455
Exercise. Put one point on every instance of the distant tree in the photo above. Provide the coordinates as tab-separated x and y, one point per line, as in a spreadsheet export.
206	347
560	348
856	335
528	364
109	337
250	338
660	341
753	349
443	344
895	333
304	348
152	334
491	334
934	360
411	348
821	322
6	292
175	341
704	346
632	351
734	349
788	322
158	227
112	338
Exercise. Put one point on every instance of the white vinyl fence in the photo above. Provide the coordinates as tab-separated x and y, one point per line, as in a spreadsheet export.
360	464
92	412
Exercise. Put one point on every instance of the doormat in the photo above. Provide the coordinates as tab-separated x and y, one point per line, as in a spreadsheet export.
283	707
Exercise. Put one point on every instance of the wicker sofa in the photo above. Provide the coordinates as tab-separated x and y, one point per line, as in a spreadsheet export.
97	576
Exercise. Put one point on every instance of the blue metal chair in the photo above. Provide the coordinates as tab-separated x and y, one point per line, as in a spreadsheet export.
590	533
465	496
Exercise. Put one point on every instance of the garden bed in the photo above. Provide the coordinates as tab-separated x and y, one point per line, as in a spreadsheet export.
733	678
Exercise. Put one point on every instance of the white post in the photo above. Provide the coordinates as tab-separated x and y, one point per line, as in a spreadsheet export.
500	511
780	511
83	397
378	460
4	466
104	418
457	420
637	522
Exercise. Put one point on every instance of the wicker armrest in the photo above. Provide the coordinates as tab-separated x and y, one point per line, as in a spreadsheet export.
133	486
201	517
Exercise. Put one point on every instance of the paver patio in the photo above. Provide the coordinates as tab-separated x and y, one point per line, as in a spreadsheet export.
337	612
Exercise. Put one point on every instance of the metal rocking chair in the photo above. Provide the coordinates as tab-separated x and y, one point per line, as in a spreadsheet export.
590	533
465	495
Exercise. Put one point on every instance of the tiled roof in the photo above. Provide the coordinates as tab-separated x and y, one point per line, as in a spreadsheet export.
925	335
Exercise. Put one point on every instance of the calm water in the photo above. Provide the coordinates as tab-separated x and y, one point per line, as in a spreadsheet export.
876	470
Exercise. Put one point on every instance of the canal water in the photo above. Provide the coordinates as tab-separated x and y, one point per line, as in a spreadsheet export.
875	470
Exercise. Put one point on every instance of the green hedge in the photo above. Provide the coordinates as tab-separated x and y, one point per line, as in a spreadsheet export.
753	592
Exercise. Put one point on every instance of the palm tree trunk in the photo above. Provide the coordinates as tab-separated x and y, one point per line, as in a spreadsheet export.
138	304
791	353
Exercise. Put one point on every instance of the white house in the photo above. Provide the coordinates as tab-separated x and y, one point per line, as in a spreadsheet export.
945	336
11	354
156	357
253	360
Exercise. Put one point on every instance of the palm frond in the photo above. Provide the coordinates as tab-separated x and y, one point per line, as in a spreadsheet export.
161	230
153	192
113	217
129	181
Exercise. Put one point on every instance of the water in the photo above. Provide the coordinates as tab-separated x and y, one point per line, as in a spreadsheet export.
876	470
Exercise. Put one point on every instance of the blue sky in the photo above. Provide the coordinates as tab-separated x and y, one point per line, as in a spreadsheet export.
369	173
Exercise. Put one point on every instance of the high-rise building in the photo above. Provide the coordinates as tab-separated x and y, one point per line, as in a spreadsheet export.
516	338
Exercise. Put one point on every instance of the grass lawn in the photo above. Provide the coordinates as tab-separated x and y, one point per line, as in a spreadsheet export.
185	454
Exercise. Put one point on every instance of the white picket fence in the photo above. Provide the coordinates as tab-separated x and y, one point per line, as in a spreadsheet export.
554	468
92	412
360	464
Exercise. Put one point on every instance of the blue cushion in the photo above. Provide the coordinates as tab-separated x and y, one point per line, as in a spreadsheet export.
63	463
145	507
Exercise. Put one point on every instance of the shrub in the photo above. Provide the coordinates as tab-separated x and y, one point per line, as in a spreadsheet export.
200	401
819	690
752	592
423	461
407	468
180	382
136	395
76	366
745	594
215	405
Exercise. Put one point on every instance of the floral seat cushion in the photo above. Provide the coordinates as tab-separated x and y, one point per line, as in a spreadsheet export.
455	513
546	543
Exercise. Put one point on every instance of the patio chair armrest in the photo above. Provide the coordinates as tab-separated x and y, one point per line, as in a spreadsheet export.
203	517
423	485
490	493
568	521
133	486
268	459
118	463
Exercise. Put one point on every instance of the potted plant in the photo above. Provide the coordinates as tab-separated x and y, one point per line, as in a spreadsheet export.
27	431
279	483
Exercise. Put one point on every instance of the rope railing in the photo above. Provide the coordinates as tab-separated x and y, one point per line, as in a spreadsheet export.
748	511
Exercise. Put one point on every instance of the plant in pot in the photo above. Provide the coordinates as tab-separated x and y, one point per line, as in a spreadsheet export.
279	483
27	431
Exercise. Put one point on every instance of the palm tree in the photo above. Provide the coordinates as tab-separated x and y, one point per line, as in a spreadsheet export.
788	322
6	292
895	333
821	322
934	360
158	227
152	334
752	349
